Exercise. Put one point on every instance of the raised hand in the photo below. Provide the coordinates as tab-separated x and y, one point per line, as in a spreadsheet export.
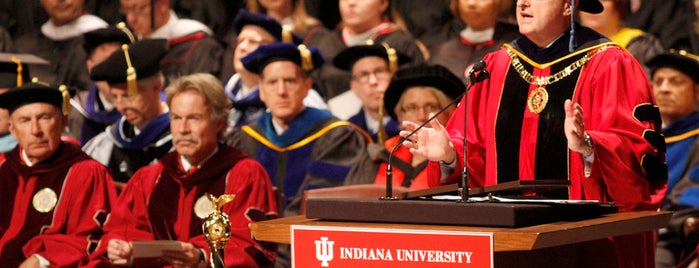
430	142
574	128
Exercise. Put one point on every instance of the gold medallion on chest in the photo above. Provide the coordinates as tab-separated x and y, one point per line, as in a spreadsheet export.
536	102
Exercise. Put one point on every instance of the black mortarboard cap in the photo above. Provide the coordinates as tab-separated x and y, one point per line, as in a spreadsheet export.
346	59
113	34
135	61
308	58
36	92
436	76
273	27
679	60
13	68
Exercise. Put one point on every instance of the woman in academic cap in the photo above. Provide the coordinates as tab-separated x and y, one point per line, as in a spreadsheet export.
414	94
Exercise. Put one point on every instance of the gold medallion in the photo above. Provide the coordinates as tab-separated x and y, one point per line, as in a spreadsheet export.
44	200
537	100
203	207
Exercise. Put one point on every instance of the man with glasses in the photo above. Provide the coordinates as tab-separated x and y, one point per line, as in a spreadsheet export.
372	66
142	134
192	47
242	88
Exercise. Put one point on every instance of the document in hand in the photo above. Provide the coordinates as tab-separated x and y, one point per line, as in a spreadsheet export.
149	253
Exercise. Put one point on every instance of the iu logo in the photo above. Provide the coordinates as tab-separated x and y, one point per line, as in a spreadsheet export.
324	250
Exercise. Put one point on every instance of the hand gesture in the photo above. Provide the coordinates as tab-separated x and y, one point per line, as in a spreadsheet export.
430	142
574	128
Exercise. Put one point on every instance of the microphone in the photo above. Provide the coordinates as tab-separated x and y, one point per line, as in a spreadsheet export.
477	74
482	74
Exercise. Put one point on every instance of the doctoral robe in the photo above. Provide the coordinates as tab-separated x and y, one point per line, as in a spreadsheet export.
55	208
403	173
124	152
316	151
163	202
507	141
683	192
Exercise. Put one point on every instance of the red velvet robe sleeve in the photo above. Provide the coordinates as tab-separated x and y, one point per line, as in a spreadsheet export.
84	203
611	94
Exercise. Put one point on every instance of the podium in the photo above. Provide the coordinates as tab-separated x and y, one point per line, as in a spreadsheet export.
553	244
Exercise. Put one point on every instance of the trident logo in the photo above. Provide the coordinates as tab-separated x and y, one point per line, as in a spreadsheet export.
324	250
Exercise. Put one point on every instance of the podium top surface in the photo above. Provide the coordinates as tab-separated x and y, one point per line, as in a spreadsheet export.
505	239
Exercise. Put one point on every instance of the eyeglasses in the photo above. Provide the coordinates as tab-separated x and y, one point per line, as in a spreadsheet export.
137	10
414	109
380	74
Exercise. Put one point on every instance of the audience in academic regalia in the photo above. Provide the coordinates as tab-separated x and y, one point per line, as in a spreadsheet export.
93	109
414	94
55	198
361	21
300	147
142	134
60	40
372	67
127	125
242	88
482	31
290	13
192	47
13	73
610	23
675	81
168	199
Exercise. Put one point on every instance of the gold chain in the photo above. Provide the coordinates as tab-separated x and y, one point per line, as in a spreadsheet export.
550	79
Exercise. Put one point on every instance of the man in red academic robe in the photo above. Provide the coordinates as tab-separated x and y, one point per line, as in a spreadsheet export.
561	106
166	200
54	197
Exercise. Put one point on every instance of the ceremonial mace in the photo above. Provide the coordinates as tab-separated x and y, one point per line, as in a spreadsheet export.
217	229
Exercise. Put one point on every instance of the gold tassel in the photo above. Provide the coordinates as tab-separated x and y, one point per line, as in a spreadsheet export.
392	58
19	70
66	99
686	54
287	36
306	58
122	26
131	77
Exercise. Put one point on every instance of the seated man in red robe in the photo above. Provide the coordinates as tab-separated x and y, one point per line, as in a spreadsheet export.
53	196
167	200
